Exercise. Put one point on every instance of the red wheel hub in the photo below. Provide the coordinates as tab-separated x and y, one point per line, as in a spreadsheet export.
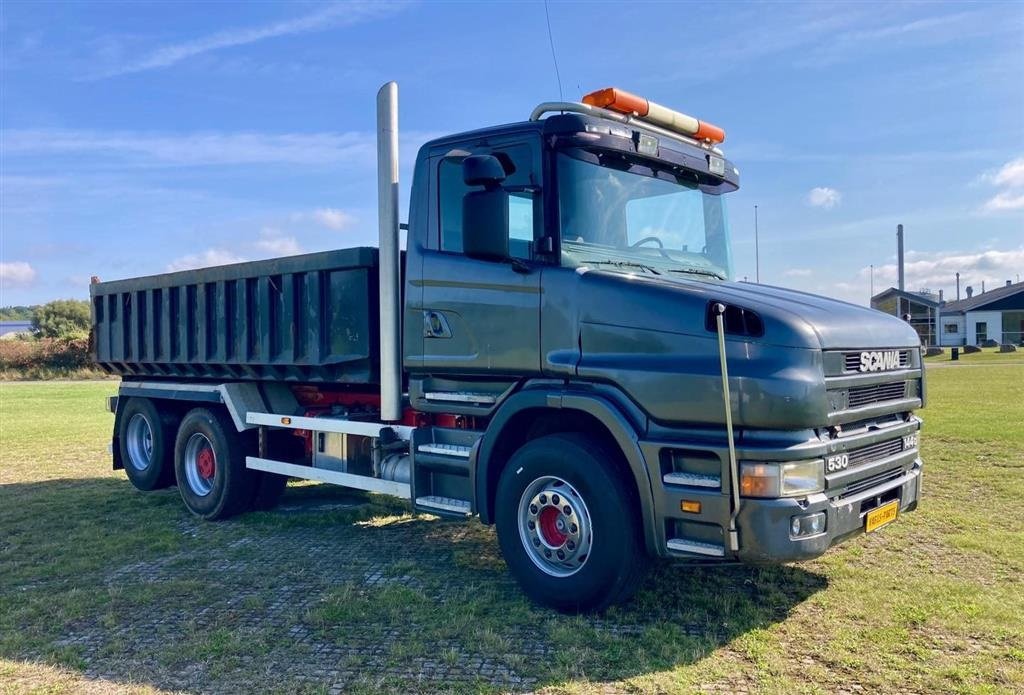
550	520
206	463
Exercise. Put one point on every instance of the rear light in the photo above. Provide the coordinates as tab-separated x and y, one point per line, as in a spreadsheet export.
622	101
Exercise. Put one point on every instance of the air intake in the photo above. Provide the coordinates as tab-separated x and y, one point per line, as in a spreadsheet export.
737	320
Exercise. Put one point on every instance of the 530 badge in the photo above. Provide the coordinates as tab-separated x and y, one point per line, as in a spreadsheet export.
838	462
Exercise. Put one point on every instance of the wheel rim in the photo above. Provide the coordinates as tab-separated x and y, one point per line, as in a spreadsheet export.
555	526
200	464
140	442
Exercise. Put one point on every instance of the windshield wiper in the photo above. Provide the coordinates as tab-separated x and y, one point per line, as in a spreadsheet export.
697	271
623	264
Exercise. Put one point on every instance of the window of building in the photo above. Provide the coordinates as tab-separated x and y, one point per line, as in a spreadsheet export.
1013	327
951	328
981	331
522	206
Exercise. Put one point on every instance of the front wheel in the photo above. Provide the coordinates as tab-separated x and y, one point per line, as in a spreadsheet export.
568	524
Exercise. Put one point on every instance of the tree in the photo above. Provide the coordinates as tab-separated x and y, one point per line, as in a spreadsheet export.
16	313
62	318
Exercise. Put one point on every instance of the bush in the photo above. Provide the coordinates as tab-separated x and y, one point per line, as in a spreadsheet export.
62	318
46	358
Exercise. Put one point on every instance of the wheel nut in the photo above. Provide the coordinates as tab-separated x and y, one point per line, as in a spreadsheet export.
536	541
531	525
561	555
533	509
572	528
547	553
554	499
570	545
543	499
567	510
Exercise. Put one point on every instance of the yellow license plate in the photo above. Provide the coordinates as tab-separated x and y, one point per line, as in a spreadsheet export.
877	518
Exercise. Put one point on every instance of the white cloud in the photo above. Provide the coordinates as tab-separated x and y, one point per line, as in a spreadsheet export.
1009	177
1010	174
798	273
938	270
192	149
330	17
1004	201
104	149
16	274
824	197
333	218
272	242
204	259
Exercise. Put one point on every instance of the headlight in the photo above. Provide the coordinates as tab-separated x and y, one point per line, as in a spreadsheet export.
781	479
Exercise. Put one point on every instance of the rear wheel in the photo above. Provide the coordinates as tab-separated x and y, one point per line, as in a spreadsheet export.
268	490
146	437
209	463
269	487
568	524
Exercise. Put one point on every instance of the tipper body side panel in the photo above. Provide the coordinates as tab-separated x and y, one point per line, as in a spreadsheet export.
309	318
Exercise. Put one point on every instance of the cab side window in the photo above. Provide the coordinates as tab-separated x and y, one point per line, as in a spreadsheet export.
523	207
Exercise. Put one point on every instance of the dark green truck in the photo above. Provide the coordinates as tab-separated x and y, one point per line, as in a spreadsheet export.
560	351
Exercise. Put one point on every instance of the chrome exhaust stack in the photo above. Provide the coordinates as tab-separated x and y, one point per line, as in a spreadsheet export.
388	255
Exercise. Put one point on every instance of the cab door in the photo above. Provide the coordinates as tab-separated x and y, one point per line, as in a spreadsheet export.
483	317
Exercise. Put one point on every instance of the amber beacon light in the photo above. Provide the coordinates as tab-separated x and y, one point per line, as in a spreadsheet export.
622	101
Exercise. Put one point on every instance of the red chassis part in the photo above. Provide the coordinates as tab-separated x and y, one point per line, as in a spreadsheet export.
318	401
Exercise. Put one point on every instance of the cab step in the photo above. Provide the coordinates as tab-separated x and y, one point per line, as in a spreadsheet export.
442	479
455	450
693	480
683	545
444	504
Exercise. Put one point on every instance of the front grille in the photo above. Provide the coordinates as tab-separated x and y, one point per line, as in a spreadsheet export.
877	393
873	481
876	452
851	360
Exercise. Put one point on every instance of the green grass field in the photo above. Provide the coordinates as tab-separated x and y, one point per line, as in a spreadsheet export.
104	589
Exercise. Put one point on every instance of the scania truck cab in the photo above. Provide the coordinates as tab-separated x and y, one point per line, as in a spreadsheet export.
561	350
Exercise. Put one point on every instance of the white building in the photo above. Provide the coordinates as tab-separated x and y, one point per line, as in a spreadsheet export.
994	315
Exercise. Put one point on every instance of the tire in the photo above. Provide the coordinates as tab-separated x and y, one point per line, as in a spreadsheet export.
209	464
603	555
146	440
268	490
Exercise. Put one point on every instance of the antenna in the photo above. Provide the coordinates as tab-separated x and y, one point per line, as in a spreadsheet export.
554	58
757	251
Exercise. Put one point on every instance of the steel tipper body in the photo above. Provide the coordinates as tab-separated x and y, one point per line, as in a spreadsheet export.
576	366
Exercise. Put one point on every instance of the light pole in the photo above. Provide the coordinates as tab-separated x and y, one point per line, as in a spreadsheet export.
872	284
757	252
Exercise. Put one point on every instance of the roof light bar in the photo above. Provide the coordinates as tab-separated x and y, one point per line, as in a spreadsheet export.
622	101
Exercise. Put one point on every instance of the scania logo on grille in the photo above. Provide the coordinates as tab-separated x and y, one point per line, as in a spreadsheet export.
879	361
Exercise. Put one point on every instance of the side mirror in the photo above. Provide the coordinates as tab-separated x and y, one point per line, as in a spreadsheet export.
482	170
485	224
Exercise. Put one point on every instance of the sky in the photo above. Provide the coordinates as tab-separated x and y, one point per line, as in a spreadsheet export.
142	137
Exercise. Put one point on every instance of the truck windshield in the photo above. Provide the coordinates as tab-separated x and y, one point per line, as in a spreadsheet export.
621	213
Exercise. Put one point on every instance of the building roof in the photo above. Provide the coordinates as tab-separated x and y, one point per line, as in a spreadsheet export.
909	296
982	300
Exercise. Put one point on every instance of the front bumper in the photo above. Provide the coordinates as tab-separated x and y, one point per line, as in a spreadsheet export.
764	534
764	524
